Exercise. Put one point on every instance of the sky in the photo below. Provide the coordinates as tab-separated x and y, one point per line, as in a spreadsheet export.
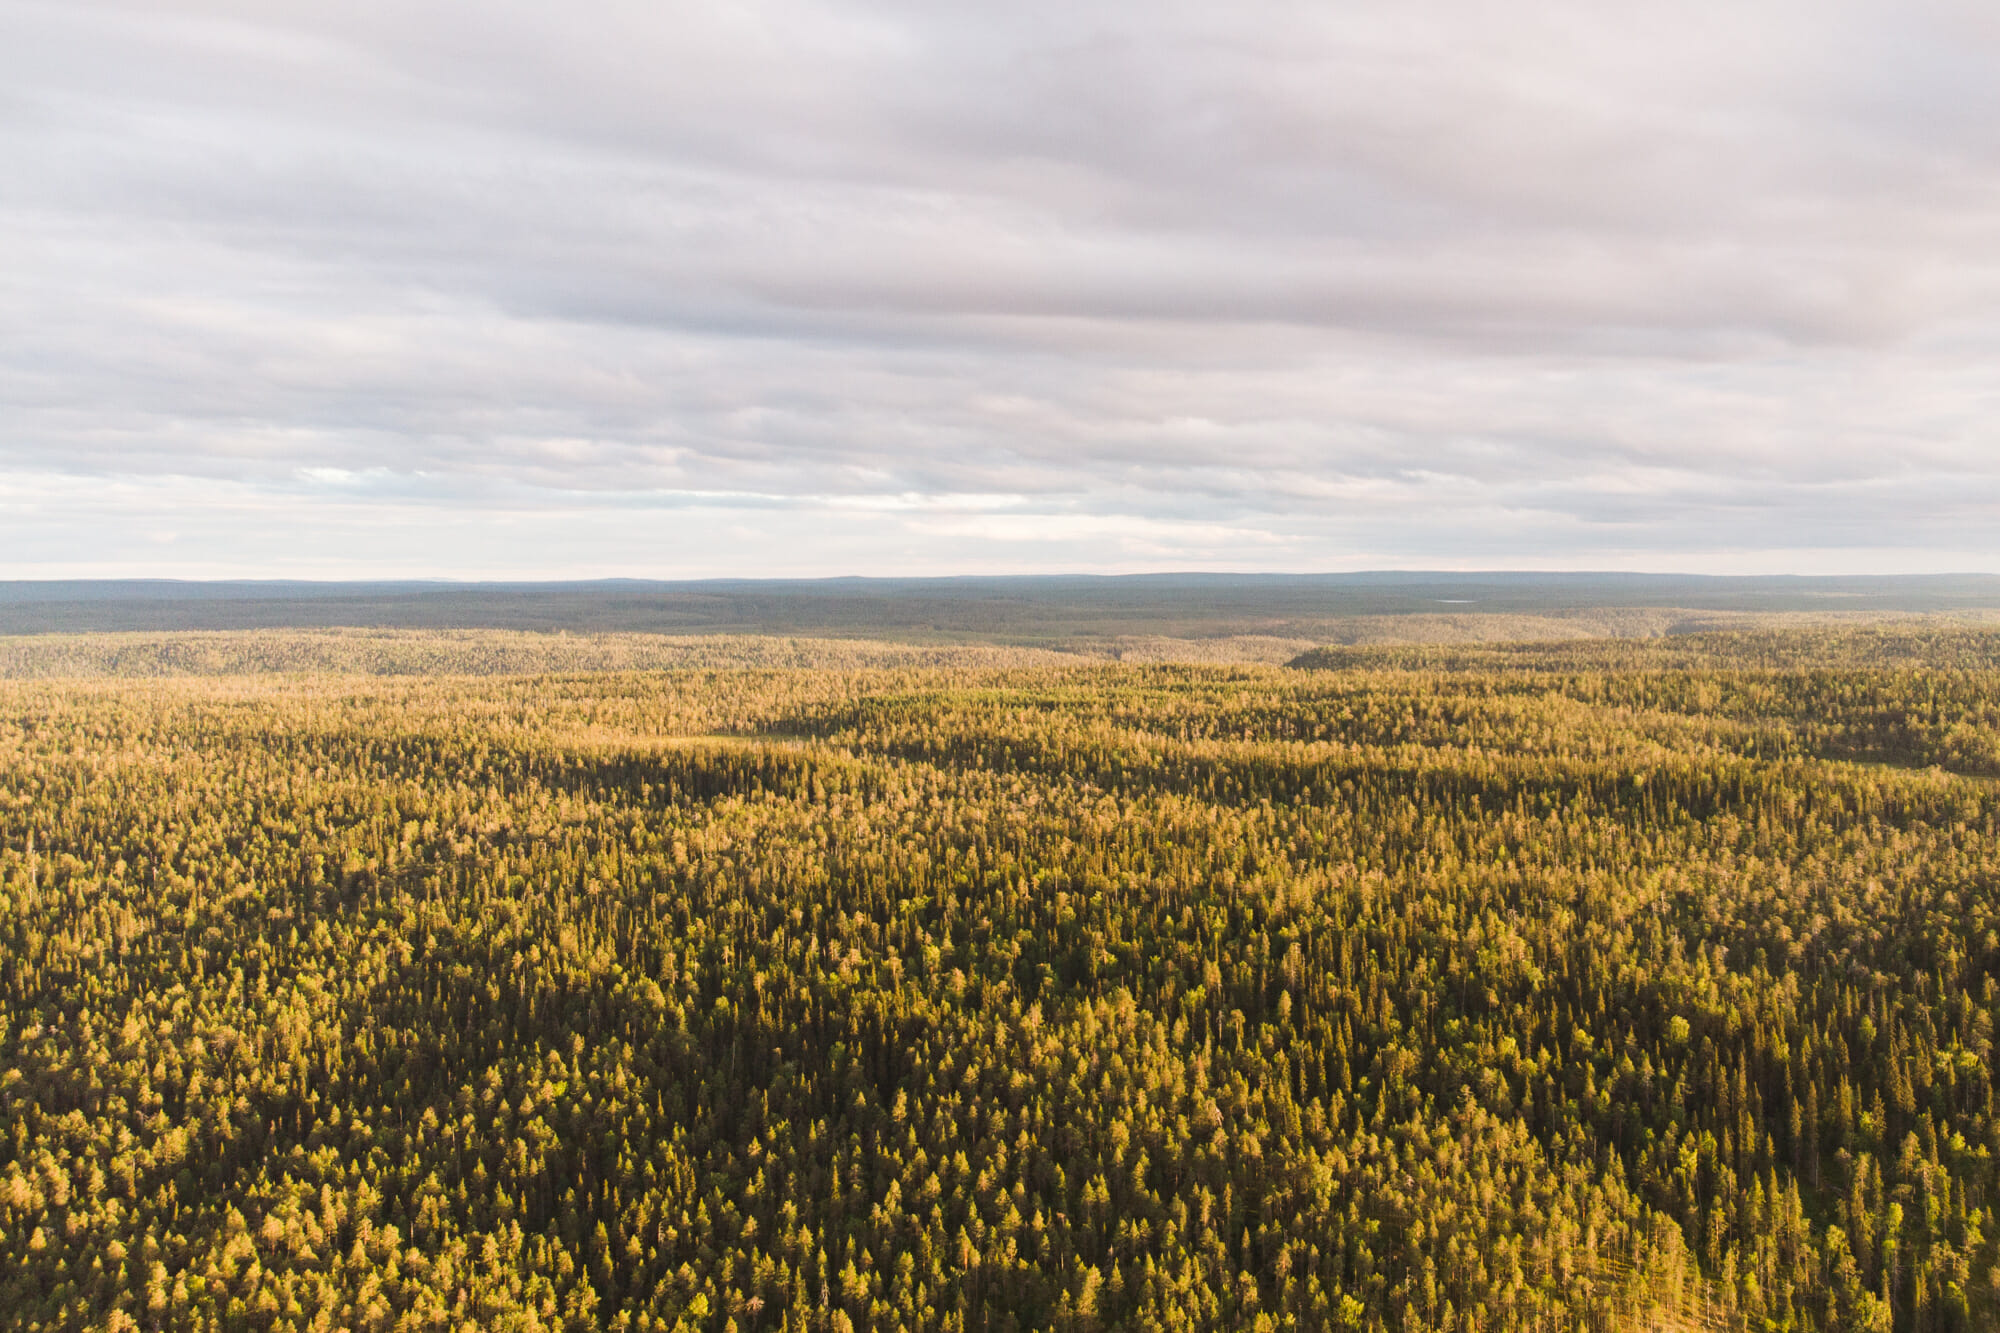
663	289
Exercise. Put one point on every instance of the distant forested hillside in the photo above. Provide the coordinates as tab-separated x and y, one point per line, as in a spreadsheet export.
1541	988
348	652
1094	613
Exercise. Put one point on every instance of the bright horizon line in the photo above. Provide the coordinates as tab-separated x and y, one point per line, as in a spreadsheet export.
1164	571
552	579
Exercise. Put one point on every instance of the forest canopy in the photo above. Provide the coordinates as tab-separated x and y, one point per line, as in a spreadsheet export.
1600	985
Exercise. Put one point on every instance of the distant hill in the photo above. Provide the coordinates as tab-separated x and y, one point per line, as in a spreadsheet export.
1031	611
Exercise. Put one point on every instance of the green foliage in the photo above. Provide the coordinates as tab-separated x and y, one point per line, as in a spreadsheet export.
1513	995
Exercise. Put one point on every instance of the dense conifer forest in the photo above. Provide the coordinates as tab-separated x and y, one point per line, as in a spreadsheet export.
1600	986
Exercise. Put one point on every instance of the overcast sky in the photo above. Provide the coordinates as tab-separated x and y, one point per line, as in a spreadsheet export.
510	289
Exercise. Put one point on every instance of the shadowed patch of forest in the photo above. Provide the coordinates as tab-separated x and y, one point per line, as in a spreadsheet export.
1604	985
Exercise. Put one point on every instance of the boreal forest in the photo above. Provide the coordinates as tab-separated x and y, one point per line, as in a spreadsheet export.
1607	986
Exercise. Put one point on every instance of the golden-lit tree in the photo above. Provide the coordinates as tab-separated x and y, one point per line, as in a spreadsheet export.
1505	990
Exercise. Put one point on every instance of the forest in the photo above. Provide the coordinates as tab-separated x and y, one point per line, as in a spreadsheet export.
1605	986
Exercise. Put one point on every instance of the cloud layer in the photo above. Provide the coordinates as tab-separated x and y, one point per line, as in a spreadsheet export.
794	288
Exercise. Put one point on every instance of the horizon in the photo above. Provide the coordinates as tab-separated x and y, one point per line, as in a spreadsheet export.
1036	576
1835	565
1184	605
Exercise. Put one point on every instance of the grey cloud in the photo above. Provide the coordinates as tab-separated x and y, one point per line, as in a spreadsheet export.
1300	283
